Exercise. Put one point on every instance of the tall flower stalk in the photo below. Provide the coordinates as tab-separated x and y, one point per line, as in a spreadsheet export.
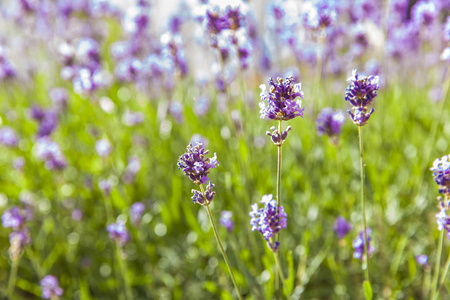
196	166
360	94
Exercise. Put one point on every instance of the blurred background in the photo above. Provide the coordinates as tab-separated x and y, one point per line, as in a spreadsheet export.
99	98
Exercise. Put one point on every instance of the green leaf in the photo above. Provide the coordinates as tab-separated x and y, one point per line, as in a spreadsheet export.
367	290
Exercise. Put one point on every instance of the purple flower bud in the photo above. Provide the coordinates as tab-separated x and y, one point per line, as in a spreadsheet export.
136	211
268	220
195	164
103	147
50	287
8	136
118	232
282	101
226	220
48	124
341	227
443	219
15	218
358	245
209	194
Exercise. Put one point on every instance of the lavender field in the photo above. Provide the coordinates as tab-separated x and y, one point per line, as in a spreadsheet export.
199	149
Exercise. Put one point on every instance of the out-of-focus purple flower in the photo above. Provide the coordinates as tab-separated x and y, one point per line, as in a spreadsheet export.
129	69
201	106
105	186
176	110
14	218
215	22
226	220
133	167
268	220
47	124
321	14
198	198
360	93
103	147
341	227
19	163
441	173
282	101
50	152
424	12
358	244
59	97
235	17
442	218
77	214
8	136
18	240
136	19
118	232
422	259
196	165
37	113
6	69
136	211
50	287
130	118
330	122
198	139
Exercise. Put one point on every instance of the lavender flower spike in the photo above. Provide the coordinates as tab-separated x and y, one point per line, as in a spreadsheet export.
330	122
50	288
358	244
282	101
341	227
195	164
226	220
136	211
360	93
441	174
118	232
268	220
443	219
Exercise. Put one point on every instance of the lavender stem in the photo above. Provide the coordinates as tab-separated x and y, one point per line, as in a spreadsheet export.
437	266
363	199
12	278
230	270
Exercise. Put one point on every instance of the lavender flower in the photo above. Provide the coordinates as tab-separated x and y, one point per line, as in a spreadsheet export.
268	220
282	101
50	287
209	194
422	260
118	232
105	185
319	15
103	147
133	167
443	219
341	227
358	244
441	174
360	93
50	152
14	218
196	165
424	12
8	136
136	211
18	240
330	121
277	138
226	220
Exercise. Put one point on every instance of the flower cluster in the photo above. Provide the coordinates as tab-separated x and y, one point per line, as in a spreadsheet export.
330	122
268	220
136	211
200	199
118	232
8	136
282	101
50	152
341	227
358	244
195	164
15	218
360	93
50	288
441	174
443	219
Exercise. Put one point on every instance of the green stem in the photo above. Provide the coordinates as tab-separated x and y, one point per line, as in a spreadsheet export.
279	169
437	266
12	278
283	280
216	233
363	199
124	271
441	282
